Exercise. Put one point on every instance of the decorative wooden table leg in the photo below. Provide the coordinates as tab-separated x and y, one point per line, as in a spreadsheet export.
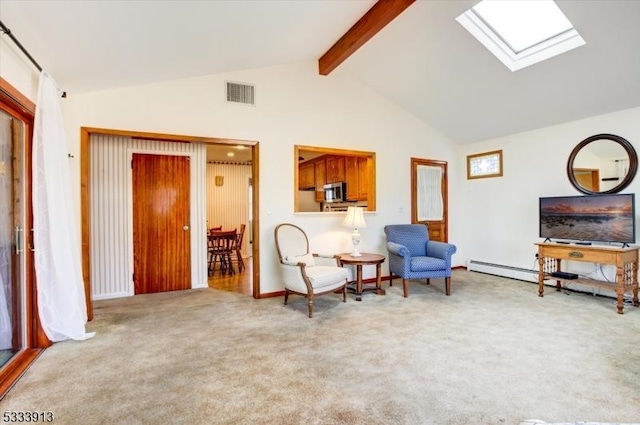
634	279
620	289
620	304
359	282
541	277
558	283
379	290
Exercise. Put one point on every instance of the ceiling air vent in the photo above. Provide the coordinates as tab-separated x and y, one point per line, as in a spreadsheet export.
241	93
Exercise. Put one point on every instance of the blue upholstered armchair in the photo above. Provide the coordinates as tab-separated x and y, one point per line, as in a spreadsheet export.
413	256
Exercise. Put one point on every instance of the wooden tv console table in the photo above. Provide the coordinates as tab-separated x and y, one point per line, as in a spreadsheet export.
550	256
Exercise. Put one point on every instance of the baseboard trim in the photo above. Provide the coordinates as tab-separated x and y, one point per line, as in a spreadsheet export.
271	294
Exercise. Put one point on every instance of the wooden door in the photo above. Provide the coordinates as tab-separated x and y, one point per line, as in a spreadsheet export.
429	198
161	225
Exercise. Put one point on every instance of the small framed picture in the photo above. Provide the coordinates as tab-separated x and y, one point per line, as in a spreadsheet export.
486	164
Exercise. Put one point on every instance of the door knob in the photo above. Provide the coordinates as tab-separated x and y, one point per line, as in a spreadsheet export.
185	227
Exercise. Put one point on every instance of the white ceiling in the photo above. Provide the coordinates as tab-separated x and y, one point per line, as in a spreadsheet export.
423	61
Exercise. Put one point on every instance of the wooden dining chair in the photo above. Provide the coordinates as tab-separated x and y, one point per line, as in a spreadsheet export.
239	239
222	245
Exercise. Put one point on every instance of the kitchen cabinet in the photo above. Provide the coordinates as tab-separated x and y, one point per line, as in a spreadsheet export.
335	169
329	167
306	176
321	178
356	176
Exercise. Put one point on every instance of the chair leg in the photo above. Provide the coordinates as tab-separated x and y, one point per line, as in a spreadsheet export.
210	263
286	296
344	293
217	259
240	261
447	285
390	279
310	305
230	264
405	287
226	266
428	281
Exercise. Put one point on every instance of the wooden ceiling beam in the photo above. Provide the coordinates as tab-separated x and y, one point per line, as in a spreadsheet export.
376	18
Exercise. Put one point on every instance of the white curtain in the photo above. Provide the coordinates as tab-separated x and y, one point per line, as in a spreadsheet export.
61	299
429	200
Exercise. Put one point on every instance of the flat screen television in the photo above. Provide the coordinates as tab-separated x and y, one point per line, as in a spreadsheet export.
592	218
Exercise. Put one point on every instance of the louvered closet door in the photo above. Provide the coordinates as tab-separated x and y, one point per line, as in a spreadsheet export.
161	226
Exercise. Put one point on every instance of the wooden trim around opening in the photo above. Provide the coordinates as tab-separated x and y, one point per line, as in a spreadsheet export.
479	156
371	166
19	100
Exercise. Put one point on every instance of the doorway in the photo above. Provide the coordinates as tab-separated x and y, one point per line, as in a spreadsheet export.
199	238
229	209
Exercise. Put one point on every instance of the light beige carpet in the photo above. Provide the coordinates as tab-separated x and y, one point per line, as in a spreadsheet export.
491	353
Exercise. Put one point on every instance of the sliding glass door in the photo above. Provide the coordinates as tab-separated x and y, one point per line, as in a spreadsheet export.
12	237
21	336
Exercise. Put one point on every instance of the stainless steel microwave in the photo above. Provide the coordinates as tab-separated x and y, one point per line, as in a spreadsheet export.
335	192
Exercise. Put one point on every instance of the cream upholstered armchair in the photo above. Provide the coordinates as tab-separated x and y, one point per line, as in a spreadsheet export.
413	256
305	273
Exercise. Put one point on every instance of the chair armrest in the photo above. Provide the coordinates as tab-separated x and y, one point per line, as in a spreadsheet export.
441	250
326	260
334	260
397	249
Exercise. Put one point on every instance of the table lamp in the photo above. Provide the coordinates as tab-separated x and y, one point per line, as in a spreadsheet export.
355	219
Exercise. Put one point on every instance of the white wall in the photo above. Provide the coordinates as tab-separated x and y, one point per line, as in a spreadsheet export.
499	222
18	71
294	105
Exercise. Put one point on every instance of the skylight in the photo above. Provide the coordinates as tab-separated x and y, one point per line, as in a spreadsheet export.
521	33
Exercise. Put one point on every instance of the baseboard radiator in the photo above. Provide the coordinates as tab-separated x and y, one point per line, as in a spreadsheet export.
512	272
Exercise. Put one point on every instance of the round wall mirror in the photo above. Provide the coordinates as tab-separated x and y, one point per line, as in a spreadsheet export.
604	163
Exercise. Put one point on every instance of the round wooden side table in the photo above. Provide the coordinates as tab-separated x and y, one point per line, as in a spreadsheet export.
365	259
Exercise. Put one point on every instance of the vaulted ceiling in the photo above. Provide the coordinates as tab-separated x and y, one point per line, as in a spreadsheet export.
423	60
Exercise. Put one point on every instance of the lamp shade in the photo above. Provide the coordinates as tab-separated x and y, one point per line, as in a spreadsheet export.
354	218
